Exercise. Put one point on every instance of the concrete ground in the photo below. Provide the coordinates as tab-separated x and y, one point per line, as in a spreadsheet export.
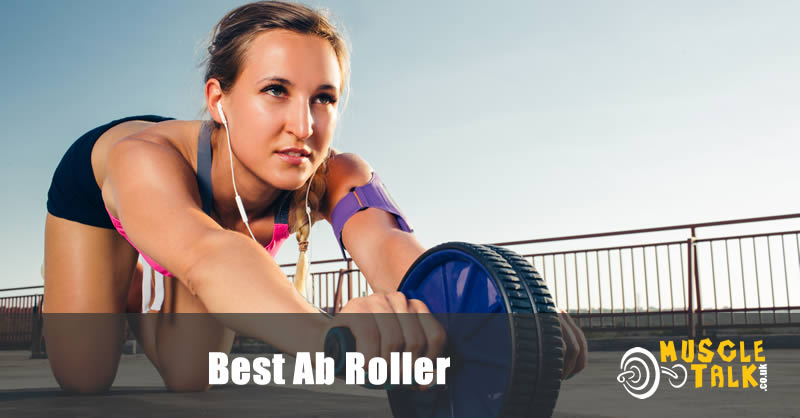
27	388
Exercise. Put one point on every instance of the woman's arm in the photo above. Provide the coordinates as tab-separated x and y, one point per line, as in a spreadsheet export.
154	192
381	249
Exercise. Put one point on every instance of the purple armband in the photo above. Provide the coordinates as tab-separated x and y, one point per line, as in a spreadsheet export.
370	195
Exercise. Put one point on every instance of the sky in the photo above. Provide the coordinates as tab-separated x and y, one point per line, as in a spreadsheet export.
487	121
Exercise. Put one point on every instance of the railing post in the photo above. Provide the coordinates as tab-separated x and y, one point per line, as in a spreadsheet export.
337	298
690	276
37	350
696	272
350	280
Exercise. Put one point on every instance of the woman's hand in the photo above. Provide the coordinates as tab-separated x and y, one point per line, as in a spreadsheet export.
576	351
388	322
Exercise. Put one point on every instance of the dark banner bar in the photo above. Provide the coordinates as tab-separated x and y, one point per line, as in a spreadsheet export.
490	365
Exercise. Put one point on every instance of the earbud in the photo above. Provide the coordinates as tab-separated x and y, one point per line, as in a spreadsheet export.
222	114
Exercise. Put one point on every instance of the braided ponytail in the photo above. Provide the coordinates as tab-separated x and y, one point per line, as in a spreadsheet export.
301	226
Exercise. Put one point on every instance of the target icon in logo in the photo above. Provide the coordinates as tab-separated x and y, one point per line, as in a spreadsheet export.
641	373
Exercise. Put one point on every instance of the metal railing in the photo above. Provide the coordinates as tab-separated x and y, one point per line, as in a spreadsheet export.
688	285
735	281
19	319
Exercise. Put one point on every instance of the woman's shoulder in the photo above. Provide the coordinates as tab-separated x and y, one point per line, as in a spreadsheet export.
171	134
159	155
180	135
345	171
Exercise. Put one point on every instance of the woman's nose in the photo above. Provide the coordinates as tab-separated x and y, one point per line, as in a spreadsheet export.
300	122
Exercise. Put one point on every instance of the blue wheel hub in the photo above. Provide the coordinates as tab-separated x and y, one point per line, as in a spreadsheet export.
471	303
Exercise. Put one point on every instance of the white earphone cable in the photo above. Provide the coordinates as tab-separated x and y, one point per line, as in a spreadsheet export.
308	209
239	203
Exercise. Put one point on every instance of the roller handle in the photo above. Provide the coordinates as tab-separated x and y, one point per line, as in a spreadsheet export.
338	342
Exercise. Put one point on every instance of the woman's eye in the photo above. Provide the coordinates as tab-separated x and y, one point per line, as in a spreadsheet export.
274	90
325	99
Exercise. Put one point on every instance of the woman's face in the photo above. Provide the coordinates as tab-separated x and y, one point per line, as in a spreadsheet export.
284	103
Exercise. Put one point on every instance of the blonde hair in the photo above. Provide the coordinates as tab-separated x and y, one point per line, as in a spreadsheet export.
230	39
300	226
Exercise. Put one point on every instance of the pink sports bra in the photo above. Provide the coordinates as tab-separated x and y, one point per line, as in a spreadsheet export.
280	233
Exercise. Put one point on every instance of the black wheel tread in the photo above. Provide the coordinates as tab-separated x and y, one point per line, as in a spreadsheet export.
547	382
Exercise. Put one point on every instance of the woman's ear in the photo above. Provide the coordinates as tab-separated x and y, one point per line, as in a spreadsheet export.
213	97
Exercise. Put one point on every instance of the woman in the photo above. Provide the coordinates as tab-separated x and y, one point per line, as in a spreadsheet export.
203	200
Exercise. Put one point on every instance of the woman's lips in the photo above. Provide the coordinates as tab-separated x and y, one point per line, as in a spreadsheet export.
292	158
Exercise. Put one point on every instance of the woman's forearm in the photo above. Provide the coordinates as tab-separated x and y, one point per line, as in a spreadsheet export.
390	259
231	274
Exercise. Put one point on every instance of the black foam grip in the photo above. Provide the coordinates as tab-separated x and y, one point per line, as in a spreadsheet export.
338	342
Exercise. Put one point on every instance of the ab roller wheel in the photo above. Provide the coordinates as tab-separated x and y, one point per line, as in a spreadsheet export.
504	338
